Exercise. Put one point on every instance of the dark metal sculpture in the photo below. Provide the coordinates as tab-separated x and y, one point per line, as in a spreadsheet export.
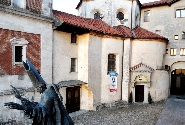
50	110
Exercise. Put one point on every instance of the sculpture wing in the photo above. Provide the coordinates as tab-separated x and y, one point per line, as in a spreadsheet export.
34	75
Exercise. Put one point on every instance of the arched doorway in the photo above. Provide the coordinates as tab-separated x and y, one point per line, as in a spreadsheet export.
177	82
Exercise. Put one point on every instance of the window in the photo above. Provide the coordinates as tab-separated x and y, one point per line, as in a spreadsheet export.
176	37
183	35
111	62
73	64
120	16
182	51
18	53
73	38
180	13
173	52
147	16
19	50
166	51
97	15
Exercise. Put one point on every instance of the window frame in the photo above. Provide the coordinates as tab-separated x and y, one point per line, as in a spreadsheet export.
173	51
176	37
73	67
110	66
183	53
183	35
180	14
73	38
147	16
19	42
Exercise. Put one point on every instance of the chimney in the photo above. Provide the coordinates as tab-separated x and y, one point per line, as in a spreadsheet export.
47	7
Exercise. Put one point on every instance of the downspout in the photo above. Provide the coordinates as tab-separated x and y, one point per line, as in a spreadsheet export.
131	14
122	69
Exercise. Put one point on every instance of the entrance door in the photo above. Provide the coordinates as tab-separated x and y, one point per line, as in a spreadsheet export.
73	99
178	82
139	93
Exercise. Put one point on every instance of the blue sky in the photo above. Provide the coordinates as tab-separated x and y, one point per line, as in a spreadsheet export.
70	5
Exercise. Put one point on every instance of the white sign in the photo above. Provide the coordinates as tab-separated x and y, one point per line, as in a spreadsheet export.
113	82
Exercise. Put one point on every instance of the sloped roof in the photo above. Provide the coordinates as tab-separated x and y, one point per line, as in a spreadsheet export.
140	65
102	27
159	3
70	83
34	6
141	33
86	23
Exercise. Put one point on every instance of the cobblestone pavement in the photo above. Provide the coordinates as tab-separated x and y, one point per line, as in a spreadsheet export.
173	112
134	114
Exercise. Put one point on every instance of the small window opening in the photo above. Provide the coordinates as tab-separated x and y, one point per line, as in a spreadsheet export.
166	51
18	53
111	62
182	51
97	15
120	16
73	64
173	52
147	16
183	35
176	37
73	38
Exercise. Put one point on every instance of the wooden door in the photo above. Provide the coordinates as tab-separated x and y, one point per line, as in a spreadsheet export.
139	93
73	99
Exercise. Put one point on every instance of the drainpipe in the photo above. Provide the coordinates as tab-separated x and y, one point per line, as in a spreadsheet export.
122	69
131	14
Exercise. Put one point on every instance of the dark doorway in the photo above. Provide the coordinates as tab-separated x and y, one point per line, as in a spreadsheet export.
139	93
177	82
72	99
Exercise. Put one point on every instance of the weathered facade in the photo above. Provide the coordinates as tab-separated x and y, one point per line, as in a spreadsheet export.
78	52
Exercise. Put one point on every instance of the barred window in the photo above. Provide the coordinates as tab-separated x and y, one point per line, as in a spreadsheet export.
111	62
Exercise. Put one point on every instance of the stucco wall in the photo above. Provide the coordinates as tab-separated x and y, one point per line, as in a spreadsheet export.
160	86
63	51
149	52
109	8
111	46
163	22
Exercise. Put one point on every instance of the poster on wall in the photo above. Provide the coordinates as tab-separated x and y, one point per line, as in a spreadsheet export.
113	82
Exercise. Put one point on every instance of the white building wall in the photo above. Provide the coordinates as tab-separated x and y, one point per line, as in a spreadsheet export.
149	52
109	9
63	51
164	23
111	46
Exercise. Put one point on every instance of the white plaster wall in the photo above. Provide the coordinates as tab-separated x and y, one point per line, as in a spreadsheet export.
63	52
24	24
94	67
160	87
163	19
111	46
109	9
149	52
126	70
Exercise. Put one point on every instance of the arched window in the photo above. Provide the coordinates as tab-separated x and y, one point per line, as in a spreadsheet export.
120	15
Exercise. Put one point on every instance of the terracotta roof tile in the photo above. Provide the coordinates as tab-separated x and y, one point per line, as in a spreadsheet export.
159	3
5	2
86	23
124	30
139	65
34	6
139	32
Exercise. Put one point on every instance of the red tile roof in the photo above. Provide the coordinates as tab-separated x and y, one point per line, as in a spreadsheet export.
86	23
141	33
34	5
5	2
124	30
139	65
102	27
159	3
